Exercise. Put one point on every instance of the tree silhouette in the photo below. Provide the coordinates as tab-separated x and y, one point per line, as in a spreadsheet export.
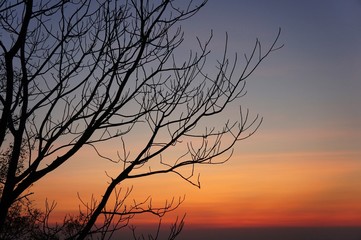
80	73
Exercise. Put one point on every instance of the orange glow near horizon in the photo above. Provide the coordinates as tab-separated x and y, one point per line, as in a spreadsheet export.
254	190
277	191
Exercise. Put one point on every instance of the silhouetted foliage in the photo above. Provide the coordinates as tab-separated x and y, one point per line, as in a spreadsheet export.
80	73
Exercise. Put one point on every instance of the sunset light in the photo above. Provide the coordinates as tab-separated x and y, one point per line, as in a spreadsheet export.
247	123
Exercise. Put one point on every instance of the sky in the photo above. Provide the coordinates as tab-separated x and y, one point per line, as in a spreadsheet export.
303	166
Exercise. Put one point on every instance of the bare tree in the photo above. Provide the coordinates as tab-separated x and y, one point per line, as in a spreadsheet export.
79	73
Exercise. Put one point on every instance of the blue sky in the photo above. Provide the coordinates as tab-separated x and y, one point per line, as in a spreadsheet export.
311	83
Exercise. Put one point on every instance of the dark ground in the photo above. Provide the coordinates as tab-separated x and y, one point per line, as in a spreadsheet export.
275	233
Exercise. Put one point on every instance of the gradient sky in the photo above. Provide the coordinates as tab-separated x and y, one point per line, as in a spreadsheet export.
303	166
